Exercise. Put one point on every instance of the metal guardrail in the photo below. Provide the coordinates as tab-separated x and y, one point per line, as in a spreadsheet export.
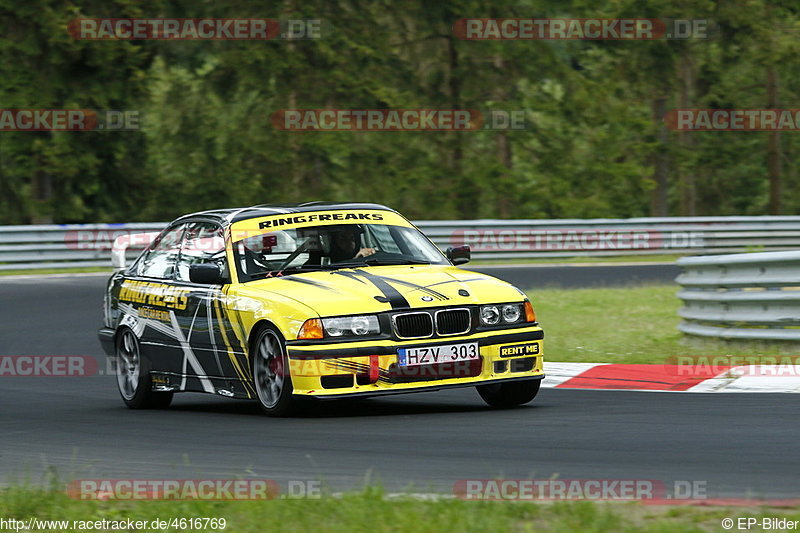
741	296
89	245
513	239
64	245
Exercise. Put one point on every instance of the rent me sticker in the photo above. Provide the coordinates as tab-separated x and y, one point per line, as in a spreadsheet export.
519	349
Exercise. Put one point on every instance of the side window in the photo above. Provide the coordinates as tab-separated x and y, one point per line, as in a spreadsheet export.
203	242
159	260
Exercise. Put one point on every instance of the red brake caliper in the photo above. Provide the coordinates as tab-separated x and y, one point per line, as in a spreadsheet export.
274	366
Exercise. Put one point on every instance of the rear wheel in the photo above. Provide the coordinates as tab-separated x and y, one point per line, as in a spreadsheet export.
505	395
133	375
271	375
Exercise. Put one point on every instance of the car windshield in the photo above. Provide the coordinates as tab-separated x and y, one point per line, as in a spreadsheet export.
330	247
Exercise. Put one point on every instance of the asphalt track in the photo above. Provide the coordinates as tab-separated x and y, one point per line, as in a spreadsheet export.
739	445
578	276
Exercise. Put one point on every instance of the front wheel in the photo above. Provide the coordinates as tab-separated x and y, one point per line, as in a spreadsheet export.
271	375
133	375
505	395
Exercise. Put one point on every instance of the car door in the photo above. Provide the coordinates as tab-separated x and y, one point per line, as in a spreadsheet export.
215	355
148	301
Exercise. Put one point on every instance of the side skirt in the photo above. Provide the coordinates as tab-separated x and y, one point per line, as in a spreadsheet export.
227	387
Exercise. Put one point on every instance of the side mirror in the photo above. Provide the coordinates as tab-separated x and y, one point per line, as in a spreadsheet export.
206	274
459	255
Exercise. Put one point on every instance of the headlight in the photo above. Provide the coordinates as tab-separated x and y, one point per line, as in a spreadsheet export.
492	315
511	313
352	326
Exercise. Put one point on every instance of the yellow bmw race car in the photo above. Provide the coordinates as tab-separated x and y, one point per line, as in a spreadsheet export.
322	300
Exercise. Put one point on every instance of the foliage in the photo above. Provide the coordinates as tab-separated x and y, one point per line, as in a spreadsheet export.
207	141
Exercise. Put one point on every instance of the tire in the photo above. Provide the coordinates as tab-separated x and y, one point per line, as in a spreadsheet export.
133	375
505	395
271	376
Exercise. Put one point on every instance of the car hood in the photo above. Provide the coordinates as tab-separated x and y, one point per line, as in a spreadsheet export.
383	288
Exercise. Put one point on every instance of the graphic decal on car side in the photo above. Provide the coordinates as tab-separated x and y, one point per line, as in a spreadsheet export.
189	357
242	369
208	319
157	294
131	317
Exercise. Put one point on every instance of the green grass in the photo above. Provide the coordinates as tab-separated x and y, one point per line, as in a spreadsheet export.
372	511
630	325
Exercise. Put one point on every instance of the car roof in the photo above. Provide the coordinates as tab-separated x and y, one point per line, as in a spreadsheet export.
230	215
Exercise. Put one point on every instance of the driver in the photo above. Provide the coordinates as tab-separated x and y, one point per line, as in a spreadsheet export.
346	244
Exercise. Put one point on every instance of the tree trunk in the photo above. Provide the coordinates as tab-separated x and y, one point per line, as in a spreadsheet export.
461	194
658	204
41	189
686	181
298	163
505	198
42	192
505	191
774	146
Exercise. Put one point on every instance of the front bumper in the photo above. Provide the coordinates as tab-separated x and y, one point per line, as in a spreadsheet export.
370	368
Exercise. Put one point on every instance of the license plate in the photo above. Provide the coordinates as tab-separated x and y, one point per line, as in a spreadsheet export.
431	355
